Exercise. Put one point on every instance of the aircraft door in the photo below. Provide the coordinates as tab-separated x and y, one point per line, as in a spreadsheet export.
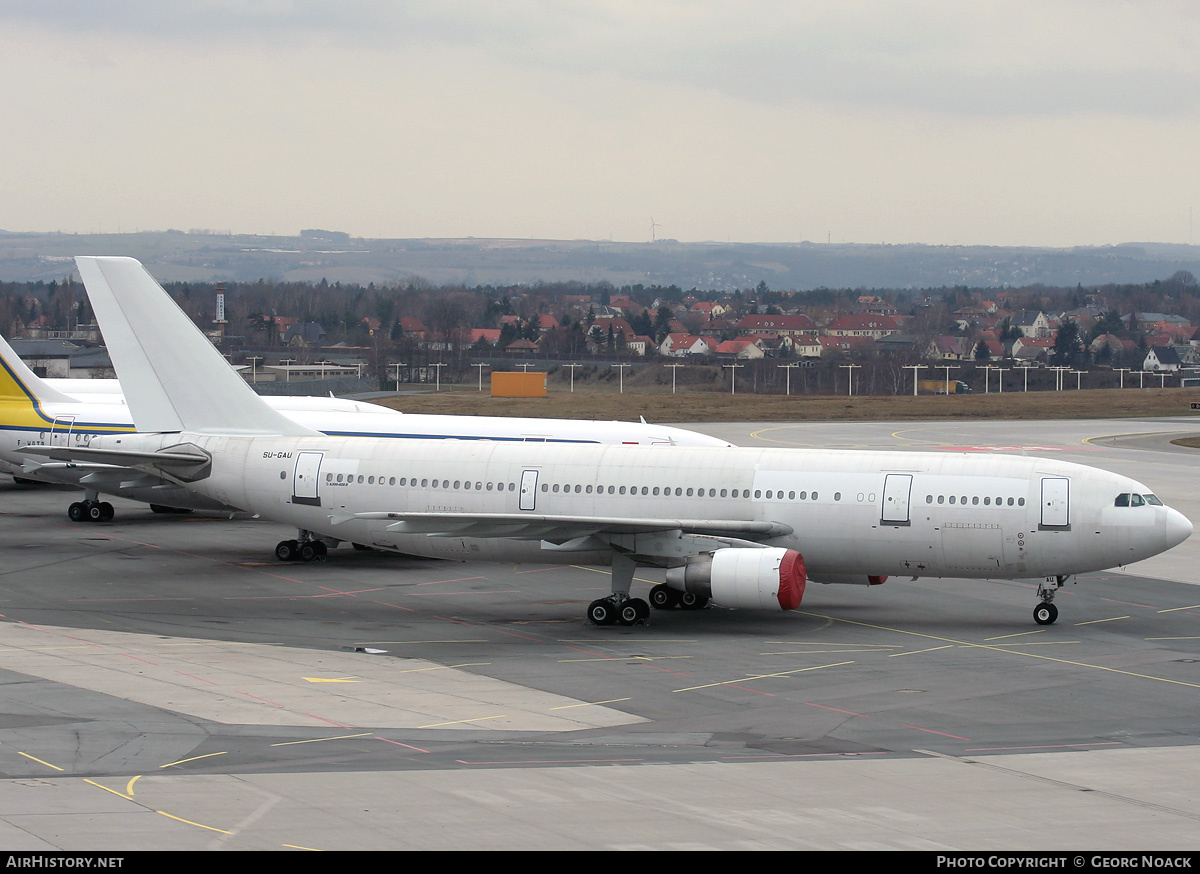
305	481
1056	502
529	480
60	432
897	488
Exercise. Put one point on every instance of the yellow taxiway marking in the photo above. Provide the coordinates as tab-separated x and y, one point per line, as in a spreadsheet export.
1098	621
39	761
317	740
298	847
129	785
1026	654
590	704
1173	609
919	651
761	677
128	797
185	761
460	721
1017	634
580	567
1193	637
331	679
196	824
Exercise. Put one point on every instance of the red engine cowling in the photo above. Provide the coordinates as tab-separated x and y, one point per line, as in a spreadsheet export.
755	579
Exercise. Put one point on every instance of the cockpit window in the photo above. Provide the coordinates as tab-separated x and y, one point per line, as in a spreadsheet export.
1122	501
1136	501
1151	499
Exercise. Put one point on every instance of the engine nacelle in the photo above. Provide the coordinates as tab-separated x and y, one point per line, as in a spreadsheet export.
755	579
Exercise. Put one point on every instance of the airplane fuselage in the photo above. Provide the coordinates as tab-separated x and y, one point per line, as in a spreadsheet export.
851	513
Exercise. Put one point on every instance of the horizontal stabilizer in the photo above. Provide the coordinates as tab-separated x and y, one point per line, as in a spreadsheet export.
182	463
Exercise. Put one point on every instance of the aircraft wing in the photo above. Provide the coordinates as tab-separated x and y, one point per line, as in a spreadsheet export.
562	529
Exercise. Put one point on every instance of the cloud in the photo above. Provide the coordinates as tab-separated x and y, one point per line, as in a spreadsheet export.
1019	57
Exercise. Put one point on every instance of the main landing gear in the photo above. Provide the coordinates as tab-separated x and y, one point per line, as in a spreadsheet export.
304	549
91	511
1045	613
620	609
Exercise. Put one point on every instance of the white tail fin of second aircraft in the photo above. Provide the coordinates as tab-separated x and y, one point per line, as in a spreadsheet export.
173	377
19	383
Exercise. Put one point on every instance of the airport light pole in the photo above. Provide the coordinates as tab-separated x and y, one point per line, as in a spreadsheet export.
287	368
850	367
1025	367
915	368
481	366
621	370
438	377
254	359
1000	371
788	368
524	367
733	369
674	370
398	365
1078	377
1123	371
572	367
948	368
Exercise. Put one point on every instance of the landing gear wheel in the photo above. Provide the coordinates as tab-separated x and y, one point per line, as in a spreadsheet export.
320	550
688	601
285	550
107	512
77	512
602	612
664	597
307	551
1045	613
95	512
632	611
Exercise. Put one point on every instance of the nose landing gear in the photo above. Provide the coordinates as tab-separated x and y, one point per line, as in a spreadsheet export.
1045	613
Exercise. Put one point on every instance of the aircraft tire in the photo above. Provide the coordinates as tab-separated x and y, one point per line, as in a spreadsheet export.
77	512
602	612
1045	613
663	597
107	512
688	601
95	512
285	550
308	551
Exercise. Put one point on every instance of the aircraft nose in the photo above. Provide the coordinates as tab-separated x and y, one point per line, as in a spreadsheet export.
1179	528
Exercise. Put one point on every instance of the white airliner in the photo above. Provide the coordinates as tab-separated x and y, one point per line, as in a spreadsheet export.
744	527
36	412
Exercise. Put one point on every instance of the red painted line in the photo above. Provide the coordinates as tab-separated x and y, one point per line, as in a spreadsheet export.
326	721
748	689
827	707
256	698
455	621
199	679
443	594
931	731
397	743
136	659
1126	603
589	652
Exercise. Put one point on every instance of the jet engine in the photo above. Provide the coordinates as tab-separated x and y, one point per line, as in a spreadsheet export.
756	579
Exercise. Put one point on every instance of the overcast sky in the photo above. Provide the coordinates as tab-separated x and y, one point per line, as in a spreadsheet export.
1074	122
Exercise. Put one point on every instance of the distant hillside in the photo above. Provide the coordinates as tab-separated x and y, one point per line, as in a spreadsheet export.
336	257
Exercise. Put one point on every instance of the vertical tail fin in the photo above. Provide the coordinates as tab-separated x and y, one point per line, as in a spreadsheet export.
19	384
173	377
